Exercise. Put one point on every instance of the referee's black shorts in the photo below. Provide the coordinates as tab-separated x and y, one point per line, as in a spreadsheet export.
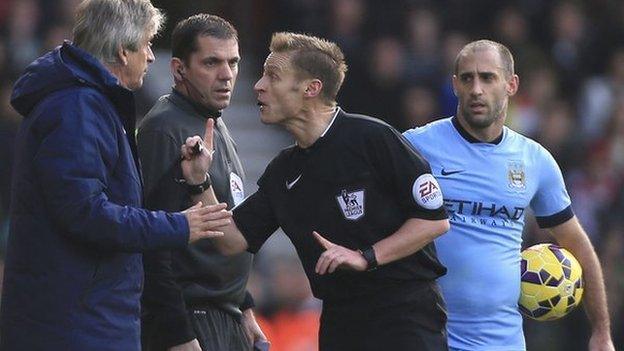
411	318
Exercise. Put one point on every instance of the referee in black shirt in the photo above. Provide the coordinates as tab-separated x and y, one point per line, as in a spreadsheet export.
359	204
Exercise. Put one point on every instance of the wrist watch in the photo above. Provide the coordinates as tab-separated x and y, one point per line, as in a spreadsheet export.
197	188
371	260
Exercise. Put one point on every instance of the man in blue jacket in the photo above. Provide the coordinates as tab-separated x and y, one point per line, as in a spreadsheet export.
73	269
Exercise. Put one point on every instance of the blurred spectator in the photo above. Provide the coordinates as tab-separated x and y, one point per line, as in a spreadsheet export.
536	92
615	137
599	96
557	133
423	46
345	24
453	42
593	188
381	96
23	23
512	29
345	29
571	42
419	107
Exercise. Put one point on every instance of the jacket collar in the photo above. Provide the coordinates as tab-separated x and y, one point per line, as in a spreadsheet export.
191	106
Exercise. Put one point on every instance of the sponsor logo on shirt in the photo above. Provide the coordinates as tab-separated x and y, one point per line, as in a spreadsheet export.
351	204
483	209
446	172
426	192
236	188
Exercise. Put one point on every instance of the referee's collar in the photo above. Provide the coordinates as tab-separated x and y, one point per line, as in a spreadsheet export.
469	138
191	106
320	139
331	122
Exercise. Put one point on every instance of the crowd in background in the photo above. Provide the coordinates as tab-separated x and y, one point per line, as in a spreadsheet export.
569	56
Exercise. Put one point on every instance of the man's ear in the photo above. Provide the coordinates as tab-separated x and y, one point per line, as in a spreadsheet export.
177	69
313	88
512	85
122	56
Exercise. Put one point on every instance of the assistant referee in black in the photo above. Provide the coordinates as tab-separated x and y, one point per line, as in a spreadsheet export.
359	204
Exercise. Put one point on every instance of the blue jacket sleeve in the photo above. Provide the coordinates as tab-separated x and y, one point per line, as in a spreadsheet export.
85	173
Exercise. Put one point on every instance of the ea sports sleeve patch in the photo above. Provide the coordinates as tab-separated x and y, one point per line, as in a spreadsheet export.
427	193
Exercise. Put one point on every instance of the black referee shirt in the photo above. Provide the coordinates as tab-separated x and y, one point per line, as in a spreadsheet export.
353	186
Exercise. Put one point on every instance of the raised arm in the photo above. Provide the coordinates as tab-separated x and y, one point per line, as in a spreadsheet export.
197	157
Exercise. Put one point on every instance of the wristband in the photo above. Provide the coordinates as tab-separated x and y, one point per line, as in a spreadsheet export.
196	189
369	256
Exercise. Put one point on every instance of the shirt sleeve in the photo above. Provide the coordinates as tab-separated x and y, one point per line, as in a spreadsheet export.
160	159
551	203
79	146
162	299
406	174
254	217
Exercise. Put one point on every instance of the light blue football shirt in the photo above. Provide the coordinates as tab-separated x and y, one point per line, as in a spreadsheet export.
487	188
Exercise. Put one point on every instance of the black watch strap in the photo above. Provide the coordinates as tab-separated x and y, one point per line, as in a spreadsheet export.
199	188
371	260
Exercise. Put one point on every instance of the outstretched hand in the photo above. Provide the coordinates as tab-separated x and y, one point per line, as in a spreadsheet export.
337	257
205	222
197	155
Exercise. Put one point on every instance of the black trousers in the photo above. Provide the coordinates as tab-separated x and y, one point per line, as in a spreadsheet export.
215	330
410	319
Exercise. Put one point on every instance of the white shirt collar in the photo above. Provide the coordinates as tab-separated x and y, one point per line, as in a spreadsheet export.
332	122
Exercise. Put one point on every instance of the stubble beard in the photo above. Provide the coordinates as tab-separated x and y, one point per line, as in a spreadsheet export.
494	115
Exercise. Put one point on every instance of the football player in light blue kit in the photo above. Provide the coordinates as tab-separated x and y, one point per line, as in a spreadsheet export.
489	175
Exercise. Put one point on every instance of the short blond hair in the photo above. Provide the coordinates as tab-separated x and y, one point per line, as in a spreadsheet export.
314	57
484	44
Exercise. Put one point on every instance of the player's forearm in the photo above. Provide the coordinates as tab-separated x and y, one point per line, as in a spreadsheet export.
232	242
595	296
571	236
413	235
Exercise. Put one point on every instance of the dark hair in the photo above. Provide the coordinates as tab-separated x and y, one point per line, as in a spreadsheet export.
186	32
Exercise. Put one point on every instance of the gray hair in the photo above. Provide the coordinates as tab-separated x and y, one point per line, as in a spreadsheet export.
103	26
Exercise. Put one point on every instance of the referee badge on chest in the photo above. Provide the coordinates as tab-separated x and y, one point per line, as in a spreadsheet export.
351	204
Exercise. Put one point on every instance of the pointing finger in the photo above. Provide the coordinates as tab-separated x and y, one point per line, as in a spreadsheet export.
208	134
326	244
